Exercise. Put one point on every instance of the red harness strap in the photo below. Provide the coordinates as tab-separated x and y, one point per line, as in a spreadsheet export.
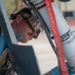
61	60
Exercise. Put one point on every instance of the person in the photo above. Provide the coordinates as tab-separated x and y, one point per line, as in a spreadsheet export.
26	27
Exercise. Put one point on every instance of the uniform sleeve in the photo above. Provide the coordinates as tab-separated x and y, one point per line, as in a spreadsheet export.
2	44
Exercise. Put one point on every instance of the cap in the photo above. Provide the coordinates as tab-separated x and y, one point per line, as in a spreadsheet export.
32	21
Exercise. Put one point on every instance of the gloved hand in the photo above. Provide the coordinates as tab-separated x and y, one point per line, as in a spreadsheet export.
2	43
55	71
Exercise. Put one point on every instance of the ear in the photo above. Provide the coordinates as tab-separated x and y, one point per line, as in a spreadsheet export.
19	18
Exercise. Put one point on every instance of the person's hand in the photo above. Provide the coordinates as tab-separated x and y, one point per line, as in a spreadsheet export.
2	43
55	71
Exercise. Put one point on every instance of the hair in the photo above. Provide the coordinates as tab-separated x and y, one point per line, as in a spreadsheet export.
24	10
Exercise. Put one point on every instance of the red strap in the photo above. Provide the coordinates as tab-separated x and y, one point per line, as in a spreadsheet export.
61	59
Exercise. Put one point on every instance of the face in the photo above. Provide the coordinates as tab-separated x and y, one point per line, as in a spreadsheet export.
24	30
